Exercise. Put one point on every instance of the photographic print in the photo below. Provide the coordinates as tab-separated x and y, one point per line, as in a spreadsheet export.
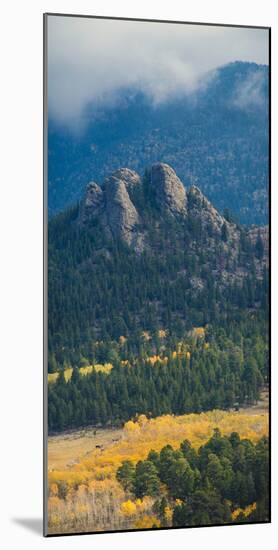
156	183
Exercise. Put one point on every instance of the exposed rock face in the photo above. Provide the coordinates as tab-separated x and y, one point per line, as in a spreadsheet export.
122	216
217	231
260	235
168	189
113	205
200	206
129	177
93	202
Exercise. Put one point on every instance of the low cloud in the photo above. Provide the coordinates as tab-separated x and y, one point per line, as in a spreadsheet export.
250	93
90	60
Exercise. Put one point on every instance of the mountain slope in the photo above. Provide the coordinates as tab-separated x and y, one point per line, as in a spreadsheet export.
217	139
144	255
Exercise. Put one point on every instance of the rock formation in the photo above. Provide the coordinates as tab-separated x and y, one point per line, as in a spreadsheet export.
170	194
92	204
121	215
129	177
201	208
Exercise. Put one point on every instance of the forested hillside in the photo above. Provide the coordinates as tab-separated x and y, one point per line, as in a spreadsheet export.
210	371
148	277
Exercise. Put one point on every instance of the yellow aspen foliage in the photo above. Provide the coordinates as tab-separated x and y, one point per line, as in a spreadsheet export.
142	420
128	508
106	368
144	504
155	359
67	374
72	477
181	351
245	511
131	426
198	332
147	522
86	370
52	377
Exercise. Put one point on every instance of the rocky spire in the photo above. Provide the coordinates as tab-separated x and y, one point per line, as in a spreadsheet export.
168	189
121	214
129	177
92	204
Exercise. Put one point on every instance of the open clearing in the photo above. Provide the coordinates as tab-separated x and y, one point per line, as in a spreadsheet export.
67	449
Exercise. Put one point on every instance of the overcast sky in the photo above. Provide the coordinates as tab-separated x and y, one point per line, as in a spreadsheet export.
90	59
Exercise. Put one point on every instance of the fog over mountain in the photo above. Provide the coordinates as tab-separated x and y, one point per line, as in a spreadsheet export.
90	60
216	138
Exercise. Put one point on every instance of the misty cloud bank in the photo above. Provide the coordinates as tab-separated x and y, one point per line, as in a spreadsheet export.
90	60
250	92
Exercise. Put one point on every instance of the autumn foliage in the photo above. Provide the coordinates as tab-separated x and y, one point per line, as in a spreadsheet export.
86	496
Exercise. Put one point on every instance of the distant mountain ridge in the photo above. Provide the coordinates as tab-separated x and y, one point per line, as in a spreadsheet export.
216	139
